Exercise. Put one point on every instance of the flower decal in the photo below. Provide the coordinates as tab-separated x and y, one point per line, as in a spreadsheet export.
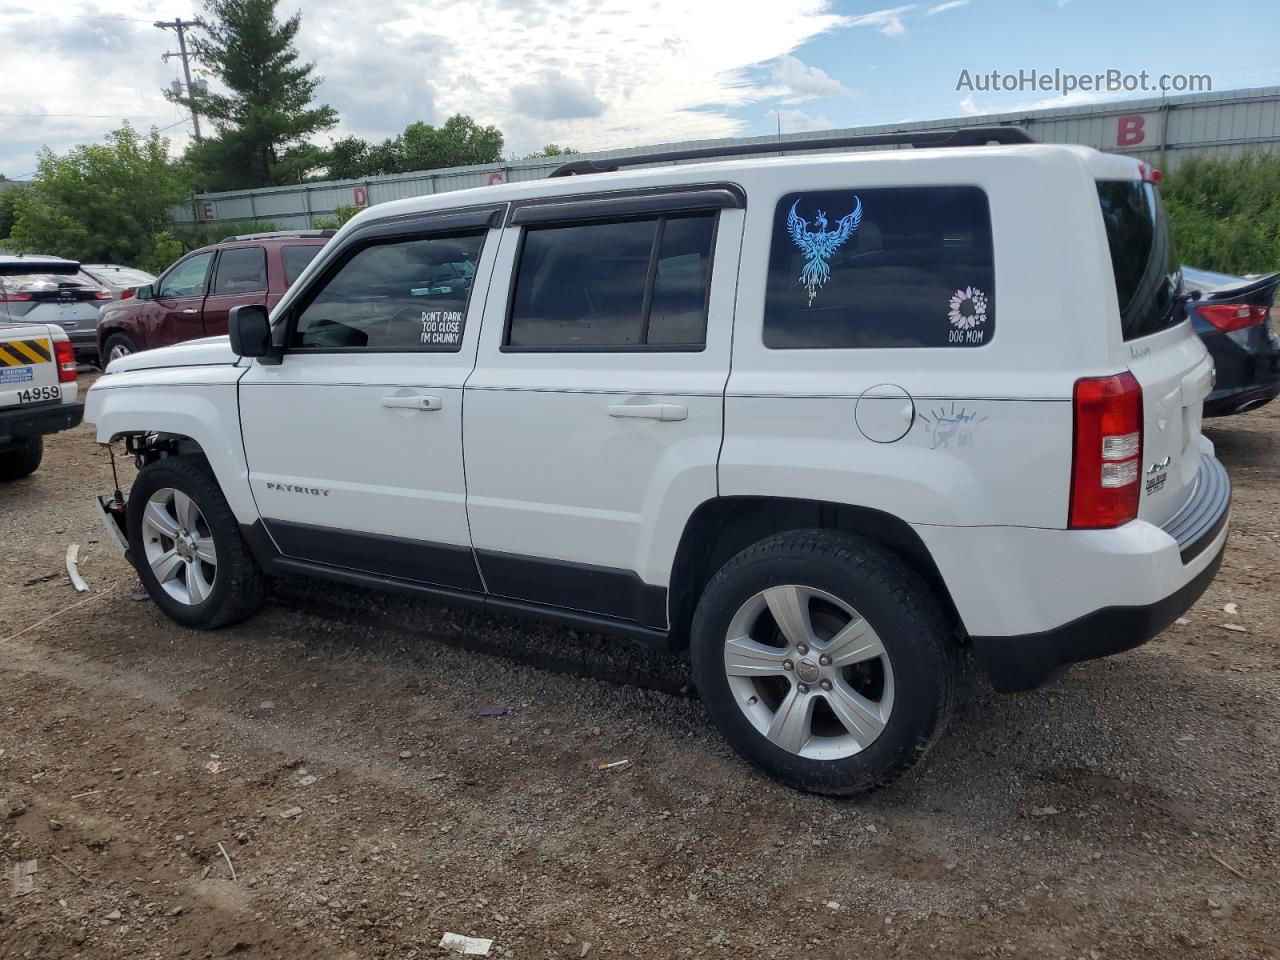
968	308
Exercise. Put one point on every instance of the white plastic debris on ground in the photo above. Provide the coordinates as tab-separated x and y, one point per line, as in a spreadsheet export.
467	946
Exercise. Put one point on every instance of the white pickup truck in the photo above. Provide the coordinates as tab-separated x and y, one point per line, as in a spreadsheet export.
37	393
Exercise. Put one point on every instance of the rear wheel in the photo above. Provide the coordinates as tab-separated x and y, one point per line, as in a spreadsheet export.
825	661
186	545
22	461
116	346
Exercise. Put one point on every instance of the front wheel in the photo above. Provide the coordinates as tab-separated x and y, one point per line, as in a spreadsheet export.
186	545
117	345
825	661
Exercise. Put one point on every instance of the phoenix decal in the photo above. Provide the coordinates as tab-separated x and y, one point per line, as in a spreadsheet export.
818	246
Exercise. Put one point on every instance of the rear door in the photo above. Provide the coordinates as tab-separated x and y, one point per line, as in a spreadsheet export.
595	413
239	278
1160	348
179	301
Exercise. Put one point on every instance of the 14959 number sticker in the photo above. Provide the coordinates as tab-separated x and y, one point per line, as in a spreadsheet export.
34	394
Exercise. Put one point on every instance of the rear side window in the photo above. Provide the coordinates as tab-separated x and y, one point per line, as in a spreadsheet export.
628	284
1142	257
396	295
296	258
240	270
884	267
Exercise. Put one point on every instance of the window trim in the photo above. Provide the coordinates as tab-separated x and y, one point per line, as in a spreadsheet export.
638	205
213	273
362	240
505	345
986	197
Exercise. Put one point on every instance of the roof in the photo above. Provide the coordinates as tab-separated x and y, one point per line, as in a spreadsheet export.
1100	166
34	259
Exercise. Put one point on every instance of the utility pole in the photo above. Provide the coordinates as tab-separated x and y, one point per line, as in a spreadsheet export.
180	26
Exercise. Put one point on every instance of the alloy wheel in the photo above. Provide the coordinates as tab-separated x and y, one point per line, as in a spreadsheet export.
809	672
179	546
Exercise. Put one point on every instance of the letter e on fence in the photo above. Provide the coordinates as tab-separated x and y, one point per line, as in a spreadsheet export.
1131	130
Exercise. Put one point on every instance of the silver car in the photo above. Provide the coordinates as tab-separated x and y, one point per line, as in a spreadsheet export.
119	280
40	289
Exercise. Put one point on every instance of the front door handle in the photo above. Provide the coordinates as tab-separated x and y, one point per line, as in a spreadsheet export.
191	310
417	402
650	411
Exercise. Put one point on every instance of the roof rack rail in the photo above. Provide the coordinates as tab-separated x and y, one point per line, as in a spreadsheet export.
961	137
279	233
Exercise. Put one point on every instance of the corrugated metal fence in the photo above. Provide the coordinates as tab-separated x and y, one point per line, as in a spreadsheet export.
1163	131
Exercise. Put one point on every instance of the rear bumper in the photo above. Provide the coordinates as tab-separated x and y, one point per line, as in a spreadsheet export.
1021	663
1034	600
22	423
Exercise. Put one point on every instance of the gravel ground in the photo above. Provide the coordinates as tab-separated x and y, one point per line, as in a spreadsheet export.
331	746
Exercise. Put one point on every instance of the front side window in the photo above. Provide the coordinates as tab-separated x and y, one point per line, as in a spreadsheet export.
240	270
187	278
883	267
615	285
396	295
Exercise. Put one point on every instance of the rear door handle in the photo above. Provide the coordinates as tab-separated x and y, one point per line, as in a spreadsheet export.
418	402
191	310
650	411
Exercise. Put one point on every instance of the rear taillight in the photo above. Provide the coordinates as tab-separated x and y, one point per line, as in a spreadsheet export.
127	294
66	357
1232	316
1107	456
101	295
13	297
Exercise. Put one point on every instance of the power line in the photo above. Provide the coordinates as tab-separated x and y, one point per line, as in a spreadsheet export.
73	16
180	26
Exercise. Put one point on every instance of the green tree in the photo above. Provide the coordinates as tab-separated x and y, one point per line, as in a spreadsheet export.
8	208
551	150
268	111
101	202
457	142
1225	214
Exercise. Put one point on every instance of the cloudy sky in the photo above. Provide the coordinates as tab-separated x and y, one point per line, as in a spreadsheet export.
598	74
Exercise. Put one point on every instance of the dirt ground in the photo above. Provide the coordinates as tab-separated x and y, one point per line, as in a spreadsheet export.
330	746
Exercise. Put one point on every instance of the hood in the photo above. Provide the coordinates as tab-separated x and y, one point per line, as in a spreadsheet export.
208	351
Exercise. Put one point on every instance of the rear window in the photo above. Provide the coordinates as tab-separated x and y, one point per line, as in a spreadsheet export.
1142	258
296	258
886	267
240	270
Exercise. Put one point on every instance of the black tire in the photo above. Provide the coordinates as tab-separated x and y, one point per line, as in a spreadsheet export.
22	461
116	340
238	583
897	603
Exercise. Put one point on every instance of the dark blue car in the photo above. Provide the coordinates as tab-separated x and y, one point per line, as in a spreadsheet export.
1234	318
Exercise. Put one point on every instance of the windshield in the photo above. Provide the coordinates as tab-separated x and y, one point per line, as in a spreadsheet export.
1142	258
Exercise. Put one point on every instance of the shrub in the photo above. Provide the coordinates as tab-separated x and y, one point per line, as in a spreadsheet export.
1225	214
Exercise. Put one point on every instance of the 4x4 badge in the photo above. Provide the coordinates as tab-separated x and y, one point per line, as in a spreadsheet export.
818	246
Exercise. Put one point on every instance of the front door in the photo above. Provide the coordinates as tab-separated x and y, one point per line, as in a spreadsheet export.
179	301
594	416
354	440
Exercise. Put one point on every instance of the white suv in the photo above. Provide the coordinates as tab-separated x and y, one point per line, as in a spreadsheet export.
823	421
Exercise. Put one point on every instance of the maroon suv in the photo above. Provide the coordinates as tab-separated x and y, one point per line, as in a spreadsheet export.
193	297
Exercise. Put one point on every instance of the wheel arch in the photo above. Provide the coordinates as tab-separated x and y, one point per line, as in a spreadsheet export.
722	527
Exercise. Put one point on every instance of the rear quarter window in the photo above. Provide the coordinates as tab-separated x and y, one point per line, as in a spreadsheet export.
883	267
296	257
1142	257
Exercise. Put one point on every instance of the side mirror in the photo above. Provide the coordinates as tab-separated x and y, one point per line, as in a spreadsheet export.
250	330
144	293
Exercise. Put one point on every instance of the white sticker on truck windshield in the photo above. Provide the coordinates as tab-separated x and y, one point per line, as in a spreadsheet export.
15	374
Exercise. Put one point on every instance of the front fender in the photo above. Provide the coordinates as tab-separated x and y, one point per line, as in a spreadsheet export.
195	402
